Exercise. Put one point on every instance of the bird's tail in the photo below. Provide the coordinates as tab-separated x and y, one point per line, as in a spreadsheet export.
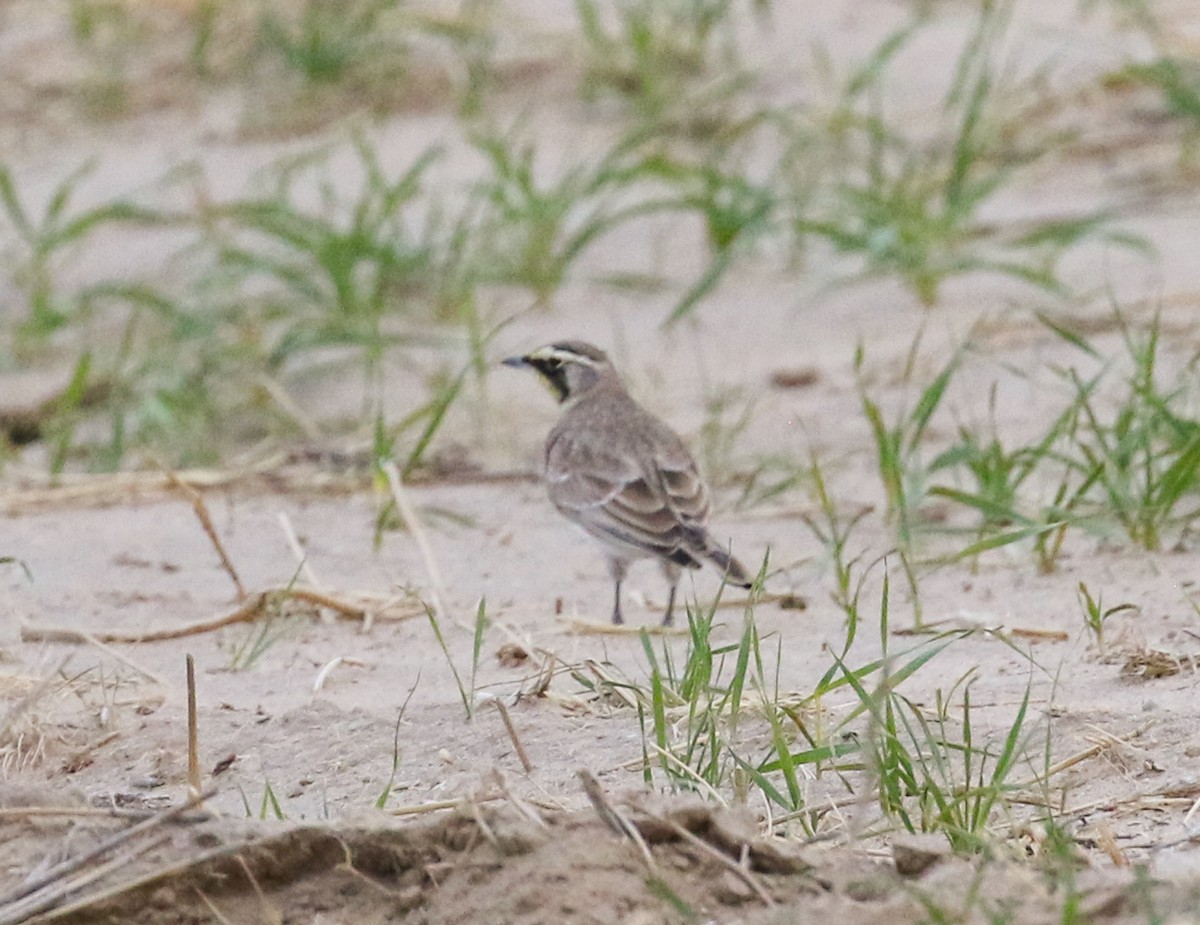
735	572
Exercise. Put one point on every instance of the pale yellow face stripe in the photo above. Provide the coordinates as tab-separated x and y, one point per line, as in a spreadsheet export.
563	356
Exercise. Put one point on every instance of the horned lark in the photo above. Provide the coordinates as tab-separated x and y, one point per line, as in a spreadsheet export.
621	474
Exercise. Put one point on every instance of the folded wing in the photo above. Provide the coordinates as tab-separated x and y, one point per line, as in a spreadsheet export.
657	504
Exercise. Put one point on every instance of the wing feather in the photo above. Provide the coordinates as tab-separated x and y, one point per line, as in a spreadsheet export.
644	501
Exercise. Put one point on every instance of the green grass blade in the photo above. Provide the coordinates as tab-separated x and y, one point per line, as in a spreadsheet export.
748	644
14	208
441	641
385	794
1011	751
437	410
481	623
658	708
999	540
819	755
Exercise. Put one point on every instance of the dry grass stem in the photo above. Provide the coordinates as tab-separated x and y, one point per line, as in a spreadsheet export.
164	874
82	757
1188	838
984	624
282	472
1140	802
256	607
721	858
522	806
512	734
193	733
325	672
571	703
22	706
1036	634
124	659
270	914
75	490
293	541
85	812
201	508
611	684
1102	742
212	907
421	809
1108	843
434	806
20	911
108	845
1150	664
360	605
591	628
409	515
1188	816
482	824
708	789
348	866
614	818
278	394
545	677
741	602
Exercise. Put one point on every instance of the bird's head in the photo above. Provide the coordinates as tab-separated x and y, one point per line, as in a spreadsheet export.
568	368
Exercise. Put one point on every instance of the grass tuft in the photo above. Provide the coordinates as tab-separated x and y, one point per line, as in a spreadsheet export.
911	208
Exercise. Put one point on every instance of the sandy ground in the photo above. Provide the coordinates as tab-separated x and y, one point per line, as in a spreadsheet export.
311	721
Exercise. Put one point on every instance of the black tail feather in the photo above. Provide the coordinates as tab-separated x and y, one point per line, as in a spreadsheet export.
735	572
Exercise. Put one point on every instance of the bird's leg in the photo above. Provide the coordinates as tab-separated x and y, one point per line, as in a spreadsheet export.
672	572
617	568
669	616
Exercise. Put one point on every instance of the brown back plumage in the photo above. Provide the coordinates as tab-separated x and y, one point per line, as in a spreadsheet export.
621	473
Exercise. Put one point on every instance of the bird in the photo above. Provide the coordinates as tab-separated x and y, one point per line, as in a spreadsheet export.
622	474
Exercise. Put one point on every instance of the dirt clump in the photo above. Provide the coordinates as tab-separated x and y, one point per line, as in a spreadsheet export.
678	861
